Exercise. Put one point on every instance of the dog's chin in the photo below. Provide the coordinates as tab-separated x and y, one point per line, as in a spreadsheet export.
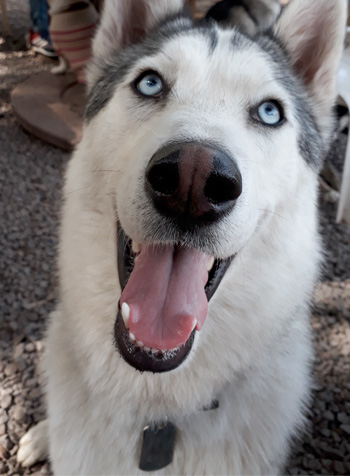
137	355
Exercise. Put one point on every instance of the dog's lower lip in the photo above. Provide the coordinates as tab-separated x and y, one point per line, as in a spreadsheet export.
134	354
151	360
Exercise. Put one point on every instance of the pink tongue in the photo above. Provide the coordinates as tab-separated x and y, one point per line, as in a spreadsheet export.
166	296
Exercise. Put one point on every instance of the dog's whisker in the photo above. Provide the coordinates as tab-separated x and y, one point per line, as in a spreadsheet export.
110	237
273	213
155	133
77	190
104	170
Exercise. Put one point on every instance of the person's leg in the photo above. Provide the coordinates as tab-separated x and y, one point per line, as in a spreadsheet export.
39	38
34	15
40	18
43	19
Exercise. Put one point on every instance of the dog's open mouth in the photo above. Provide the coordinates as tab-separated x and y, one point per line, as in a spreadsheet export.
164	301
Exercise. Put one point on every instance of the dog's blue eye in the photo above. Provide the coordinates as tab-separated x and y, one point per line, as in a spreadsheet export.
150	85
269	113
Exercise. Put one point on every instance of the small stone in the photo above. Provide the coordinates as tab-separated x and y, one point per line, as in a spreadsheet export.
39	345
21	364
313	464
3	417
346	429
29	347
326	463
332	453
18	413
5	402
10	369
342	417
339	467
5	442
328	415
18	351
331	197
19	400
35	393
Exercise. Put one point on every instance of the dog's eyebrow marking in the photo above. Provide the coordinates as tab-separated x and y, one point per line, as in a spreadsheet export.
114	71
309	141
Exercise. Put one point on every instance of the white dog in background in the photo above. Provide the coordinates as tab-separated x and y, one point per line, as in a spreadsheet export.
189	245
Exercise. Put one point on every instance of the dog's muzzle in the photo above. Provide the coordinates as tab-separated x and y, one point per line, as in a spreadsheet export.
166	287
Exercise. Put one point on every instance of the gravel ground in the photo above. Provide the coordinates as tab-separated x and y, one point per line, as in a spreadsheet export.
30	186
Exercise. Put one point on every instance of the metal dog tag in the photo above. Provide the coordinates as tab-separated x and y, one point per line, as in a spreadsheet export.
158	444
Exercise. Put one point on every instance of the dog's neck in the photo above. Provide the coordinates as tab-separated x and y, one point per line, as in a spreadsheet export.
158	442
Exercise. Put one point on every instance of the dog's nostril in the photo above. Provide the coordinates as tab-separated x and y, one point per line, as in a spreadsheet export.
193	183
164	178
220	189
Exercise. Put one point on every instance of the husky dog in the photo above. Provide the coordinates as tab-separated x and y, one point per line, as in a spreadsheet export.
189	246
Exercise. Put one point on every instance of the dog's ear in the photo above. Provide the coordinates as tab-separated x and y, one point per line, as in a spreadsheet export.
124	22
312	32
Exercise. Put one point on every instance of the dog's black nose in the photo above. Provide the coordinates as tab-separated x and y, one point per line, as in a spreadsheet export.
193	183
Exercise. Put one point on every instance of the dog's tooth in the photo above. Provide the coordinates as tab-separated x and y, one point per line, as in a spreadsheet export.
136	247
125	314
132	337
139	343
154	351
146	349
210	263
194	324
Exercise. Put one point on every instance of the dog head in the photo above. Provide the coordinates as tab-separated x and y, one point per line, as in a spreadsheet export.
208	132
